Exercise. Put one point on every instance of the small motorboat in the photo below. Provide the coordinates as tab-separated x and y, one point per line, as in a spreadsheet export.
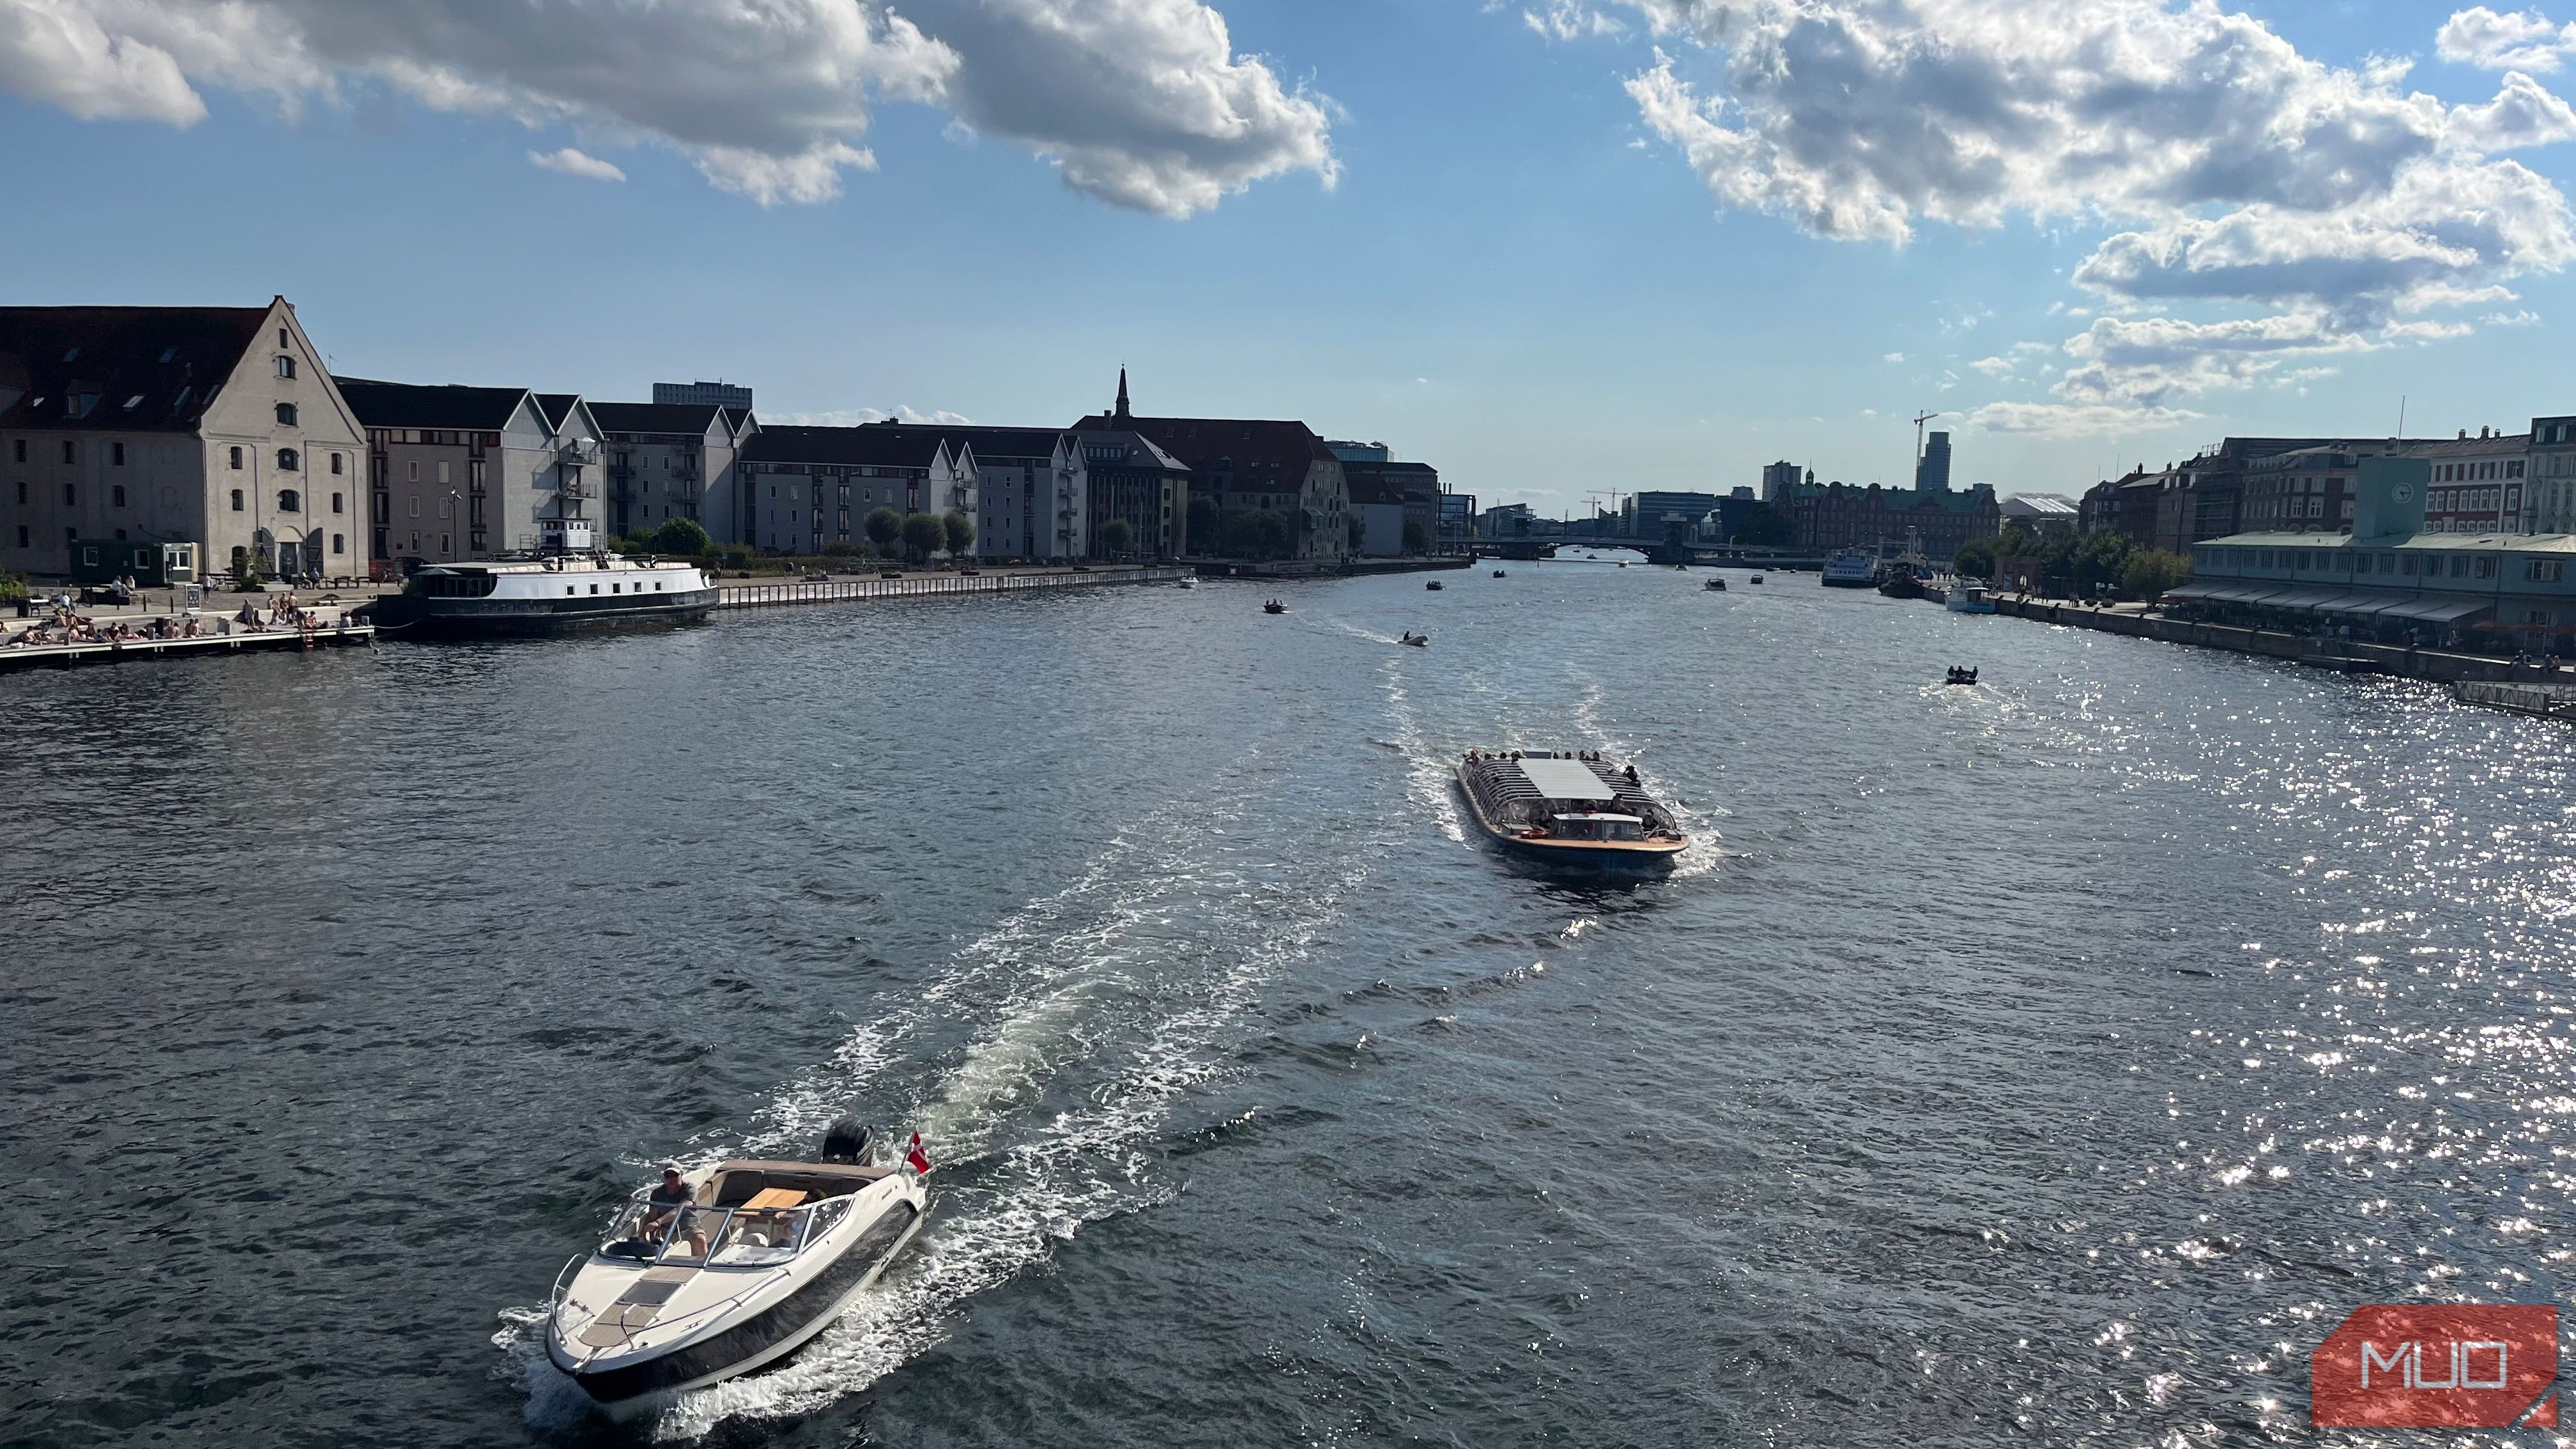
722	1271
1188	581
1498	573
1434	585
1960	675
1717	586
1274	607
1757	578
1418	641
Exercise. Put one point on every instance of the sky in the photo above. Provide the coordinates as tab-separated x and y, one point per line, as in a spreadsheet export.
1560	249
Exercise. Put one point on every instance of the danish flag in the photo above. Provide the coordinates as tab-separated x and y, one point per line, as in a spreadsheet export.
916	1159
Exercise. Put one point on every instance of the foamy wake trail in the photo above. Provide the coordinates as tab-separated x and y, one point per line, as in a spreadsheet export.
1426	773
1127	984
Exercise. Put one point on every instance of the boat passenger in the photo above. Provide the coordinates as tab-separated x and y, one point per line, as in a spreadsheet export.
672	1195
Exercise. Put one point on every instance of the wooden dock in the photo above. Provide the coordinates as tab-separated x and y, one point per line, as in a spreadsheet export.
235	640
927	586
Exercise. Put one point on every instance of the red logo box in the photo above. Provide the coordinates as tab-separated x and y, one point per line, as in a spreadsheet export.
2438	1365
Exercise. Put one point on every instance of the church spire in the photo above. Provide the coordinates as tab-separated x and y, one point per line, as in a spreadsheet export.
1122	413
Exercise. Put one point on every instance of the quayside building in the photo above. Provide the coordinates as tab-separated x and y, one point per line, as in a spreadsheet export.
2392	579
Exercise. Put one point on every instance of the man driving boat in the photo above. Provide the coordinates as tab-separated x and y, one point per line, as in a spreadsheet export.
669	1198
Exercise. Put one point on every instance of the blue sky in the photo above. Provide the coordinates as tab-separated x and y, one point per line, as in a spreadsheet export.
1520	271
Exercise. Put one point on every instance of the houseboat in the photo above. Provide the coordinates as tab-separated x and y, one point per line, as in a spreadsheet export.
564	589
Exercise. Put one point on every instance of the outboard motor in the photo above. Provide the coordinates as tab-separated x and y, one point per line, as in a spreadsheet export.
846	1141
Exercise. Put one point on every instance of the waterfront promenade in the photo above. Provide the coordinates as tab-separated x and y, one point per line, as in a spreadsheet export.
2347	655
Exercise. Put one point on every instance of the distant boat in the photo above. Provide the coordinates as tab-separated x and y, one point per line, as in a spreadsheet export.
1851	569
1434	585
1498	573
1717	586
1968	596
1418	641
1757	578
1274	607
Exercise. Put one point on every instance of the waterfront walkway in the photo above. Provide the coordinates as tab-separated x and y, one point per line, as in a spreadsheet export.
2345	655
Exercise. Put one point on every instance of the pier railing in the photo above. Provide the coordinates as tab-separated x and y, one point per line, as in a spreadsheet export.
753	596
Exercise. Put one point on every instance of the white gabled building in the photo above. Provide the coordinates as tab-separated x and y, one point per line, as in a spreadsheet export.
216	426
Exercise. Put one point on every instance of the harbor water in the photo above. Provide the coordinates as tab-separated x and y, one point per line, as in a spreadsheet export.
2054	1060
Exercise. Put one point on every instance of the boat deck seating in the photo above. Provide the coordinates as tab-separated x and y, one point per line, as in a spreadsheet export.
737	1183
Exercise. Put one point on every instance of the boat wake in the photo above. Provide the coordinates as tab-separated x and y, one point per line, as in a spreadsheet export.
1095	1011
1426	770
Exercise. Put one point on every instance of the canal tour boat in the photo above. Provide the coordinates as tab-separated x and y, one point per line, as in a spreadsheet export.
1568	809
566	587
761	1257
1851	569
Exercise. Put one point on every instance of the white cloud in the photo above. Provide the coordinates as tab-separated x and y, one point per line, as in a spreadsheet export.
56	52
861	417
2074	419
1893	357
1142	103
2522	114
1995	367
2231	171
575	163
2521	40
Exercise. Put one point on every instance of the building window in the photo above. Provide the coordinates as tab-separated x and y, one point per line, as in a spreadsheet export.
339	543
414	467
237	500
2486	567
116	496
286	415
69	497
286	460
116	454
415	510
335	503
335	463
22	490
235	456
22	535
2545	571
18	449
286	367
288	502
71	451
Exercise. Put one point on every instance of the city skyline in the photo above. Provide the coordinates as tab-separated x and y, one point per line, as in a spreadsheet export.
1553	247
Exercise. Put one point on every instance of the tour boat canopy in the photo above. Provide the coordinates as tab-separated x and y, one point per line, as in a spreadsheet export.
1566	780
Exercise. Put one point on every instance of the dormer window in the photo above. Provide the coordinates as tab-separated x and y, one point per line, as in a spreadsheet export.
282	343
169	354
134	402
286	415
286	367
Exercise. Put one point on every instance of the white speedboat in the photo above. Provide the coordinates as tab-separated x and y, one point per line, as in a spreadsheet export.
1969	596
760	1257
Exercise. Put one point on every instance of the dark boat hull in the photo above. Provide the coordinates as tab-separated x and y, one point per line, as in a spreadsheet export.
404	617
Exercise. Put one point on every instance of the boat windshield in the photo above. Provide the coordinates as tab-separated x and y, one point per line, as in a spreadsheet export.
689	1235
1600	827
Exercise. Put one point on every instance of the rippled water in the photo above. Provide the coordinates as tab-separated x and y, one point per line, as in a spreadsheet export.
2055	1060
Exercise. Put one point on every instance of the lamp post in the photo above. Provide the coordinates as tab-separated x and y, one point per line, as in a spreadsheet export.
456	518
